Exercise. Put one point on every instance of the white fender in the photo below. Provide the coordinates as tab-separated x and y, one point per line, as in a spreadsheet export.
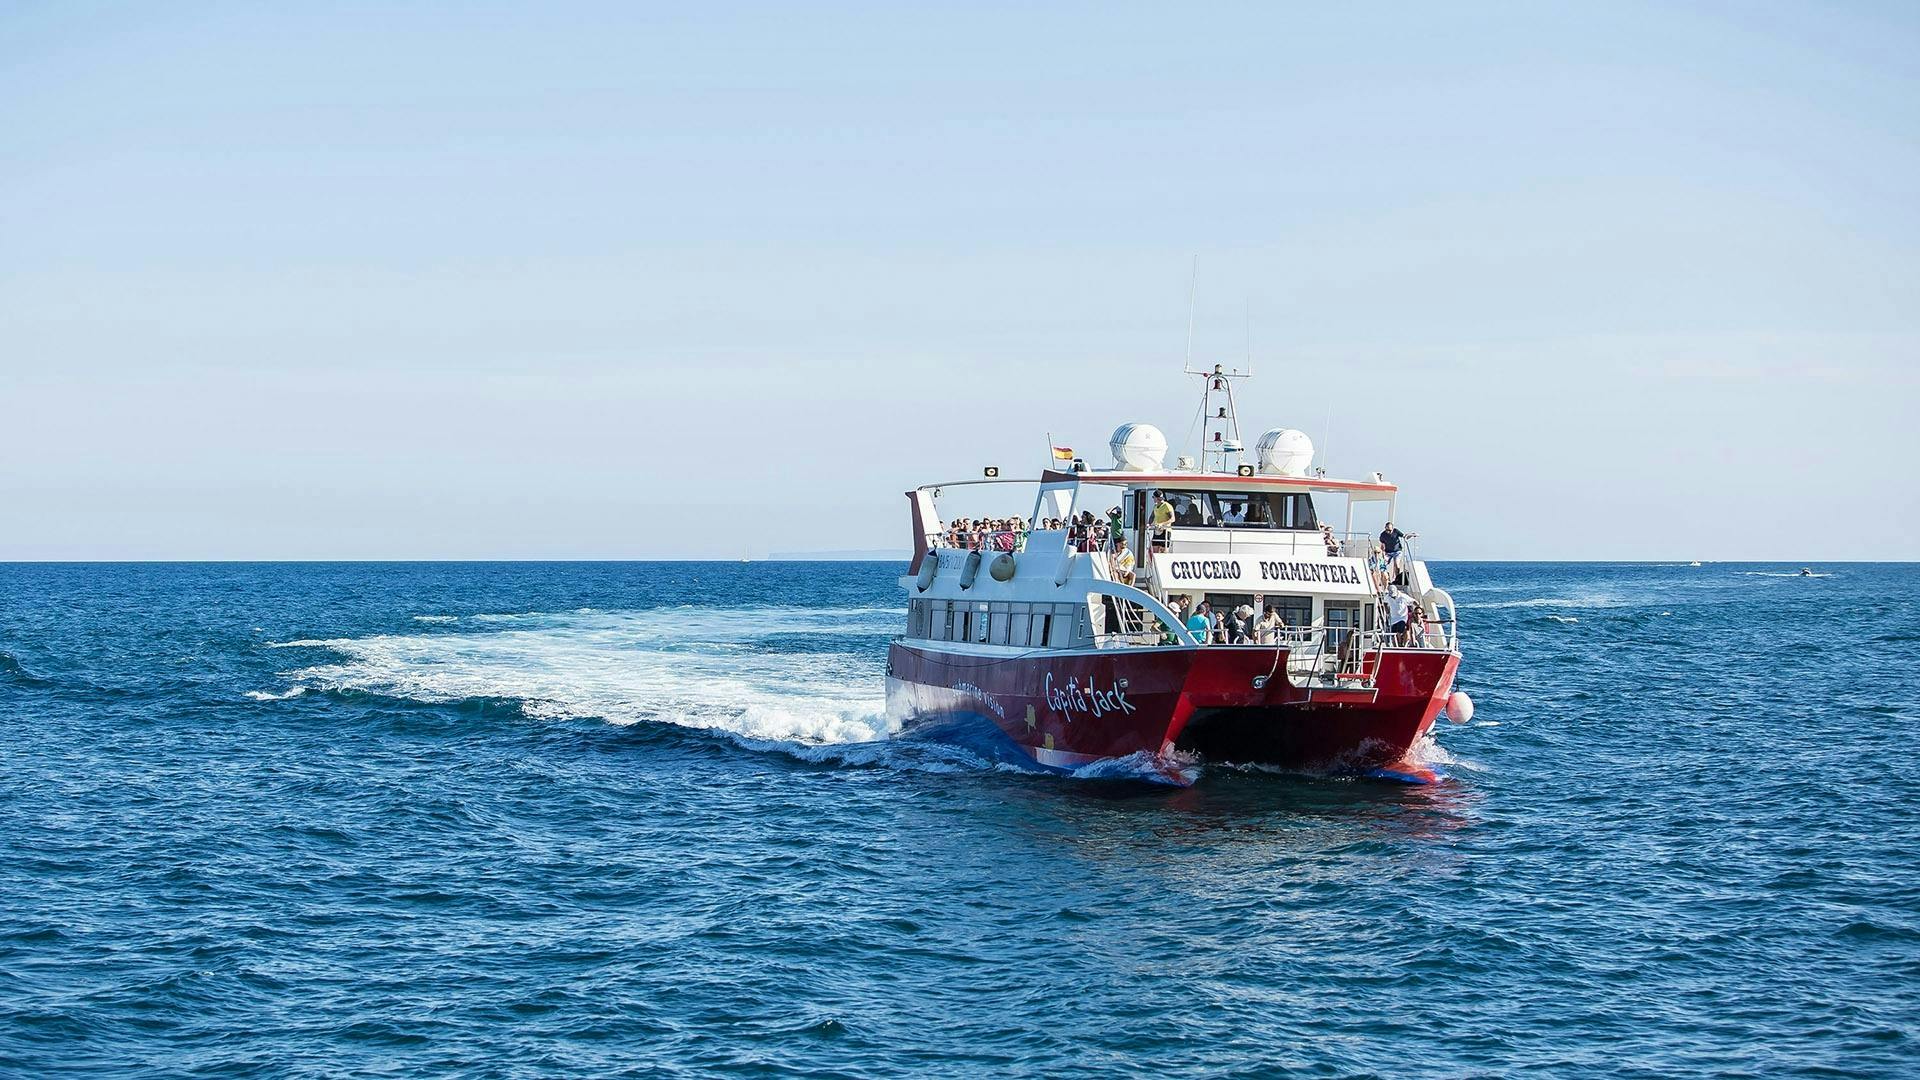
1459	707
1066	570
971	570
1001	567
929	567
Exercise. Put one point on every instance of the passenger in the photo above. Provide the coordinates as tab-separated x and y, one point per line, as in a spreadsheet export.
1201	623
1379	567
1219	622
1114	521
1121	561
1242	630
1162	519
1267	630
1391	540
1233	513
1187	511
1397	604
1326	537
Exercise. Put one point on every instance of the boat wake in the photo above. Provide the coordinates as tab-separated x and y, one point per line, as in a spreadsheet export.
733	671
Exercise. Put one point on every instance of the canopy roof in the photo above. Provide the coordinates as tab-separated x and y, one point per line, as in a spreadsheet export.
1180	480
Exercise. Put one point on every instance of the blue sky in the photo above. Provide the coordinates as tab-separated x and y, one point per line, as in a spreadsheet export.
1617	281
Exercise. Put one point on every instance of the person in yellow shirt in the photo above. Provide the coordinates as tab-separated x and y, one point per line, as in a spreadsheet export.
1162	517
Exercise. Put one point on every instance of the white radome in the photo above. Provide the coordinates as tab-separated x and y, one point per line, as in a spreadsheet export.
1285	452
1138	448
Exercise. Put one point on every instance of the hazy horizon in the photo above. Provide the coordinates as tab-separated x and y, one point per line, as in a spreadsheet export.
1631	282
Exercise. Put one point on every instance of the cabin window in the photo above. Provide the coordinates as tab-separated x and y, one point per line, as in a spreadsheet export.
979	636
1296	611
997	629
1265	510
1040	623
1343	618
963	625
1066	619
917	618
1191	508
1020	624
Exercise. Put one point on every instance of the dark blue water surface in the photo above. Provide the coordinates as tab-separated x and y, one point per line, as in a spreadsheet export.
546	819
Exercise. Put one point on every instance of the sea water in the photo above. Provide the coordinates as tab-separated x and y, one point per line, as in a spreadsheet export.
581	819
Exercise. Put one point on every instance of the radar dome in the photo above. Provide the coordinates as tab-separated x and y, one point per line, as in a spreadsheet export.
1138	448
1285	452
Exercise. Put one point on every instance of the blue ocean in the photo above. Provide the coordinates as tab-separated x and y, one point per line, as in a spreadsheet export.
554	819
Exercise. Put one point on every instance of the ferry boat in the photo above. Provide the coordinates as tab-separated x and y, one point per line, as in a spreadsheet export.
1070	639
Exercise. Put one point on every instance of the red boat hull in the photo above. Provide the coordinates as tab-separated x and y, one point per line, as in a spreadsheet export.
1065	711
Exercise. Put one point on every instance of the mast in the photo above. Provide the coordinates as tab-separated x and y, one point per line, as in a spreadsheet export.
1221	449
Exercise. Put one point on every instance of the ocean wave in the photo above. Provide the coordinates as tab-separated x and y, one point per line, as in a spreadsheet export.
1564	618
1592	601
15	672
1142	765
285	695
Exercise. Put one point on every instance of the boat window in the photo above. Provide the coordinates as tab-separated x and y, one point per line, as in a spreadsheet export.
1191	508
1243	509
979	635
1041	622
998	630
917	618
1060	635
1266	510
1020	628
962	625
1295	611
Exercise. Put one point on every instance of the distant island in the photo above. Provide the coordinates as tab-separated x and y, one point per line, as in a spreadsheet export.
851	555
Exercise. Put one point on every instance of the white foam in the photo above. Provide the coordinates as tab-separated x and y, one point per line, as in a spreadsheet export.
1563	618
709	668
1590	601
436	618
290	692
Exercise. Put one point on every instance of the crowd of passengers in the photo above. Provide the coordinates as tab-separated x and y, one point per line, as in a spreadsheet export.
1247	624
1084	533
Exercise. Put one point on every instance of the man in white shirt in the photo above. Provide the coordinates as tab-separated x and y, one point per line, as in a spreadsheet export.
1398	604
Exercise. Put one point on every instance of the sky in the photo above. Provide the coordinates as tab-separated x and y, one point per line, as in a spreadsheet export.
1608	281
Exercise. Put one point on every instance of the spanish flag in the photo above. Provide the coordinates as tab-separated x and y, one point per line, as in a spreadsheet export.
1063	453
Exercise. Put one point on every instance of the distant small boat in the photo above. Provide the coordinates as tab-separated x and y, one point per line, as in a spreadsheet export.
1804	572
1695	562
